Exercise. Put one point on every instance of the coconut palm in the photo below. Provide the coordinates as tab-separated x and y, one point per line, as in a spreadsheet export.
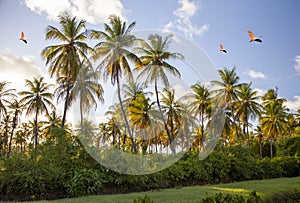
53	122
5	95
142	116
228	89
5	128
37	100
173	110
16	108
274	120
247	107
199	105
155	56
115	54
64	58
86	88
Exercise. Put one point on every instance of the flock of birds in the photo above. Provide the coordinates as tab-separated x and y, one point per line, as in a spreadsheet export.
251	35
252	39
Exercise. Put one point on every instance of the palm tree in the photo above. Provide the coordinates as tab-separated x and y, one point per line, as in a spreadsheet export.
199	105
37	100
86	88
155	66
5	128
259	134
173	109
116	54
142	116
228	89
53	122
274	118
17	107
5	93
64	58
247	106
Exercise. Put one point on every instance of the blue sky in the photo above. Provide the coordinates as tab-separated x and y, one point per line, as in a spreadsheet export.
207	23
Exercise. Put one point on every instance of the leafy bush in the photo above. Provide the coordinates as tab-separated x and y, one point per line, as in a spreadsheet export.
85	181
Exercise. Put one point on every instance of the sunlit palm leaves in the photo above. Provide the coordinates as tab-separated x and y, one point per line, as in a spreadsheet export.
64	58
37	100
115	55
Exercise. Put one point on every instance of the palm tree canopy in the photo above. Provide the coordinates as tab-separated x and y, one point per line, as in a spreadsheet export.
38	98
154	59
115	49
65	56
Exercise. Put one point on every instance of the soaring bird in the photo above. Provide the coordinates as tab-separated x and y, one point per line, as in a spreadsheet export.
252	37
23	38
222	48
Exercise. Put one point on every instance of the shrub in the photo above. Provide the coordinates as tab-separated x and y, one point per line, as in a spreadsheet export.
85	181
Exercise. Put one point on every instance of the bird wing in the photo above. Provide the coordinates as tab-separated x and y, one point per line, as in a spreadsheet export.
22	35
250	34
221	47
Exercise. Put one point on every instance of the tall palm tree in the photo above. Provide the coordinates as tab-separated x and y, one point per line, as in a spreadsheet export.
173	109
86	88
115	54
16	108
228	89
37	100
247	106
199	105
274	118
64	58
5	128
155	56
5	95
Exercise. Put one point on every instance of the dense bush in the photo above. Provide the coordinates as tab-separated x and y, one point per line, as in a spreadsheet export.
70	171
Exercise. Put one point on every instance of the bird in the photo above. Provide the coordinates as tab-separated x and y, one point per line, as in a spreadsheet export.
252	37
23	38
222	48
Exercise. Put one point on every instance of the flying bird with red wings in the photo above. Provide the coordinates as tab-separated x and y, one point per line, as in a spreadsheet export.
253	38
23	38
222	48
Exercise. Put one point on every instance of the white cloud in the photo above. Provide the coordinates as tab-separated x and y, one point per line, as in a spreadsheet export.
255	75
15	69
93	11
183	22
297	65
294	104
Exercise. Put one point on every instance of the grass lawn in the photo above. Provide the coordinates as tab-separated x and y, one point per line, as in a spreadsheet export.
264	188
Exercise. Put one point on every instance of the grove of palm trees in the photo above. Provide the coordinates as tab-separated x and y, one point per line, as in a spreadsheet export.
228	133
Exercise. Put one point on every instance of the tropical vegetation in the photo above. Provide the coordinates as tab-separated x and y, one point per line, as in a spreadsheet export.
43	155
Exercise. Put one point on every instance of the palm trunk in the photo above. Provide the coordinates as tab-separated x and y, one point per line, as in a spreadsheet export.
66	106
234	123
248	137
36	129
125	118
202	130
12	132
162	117
271	147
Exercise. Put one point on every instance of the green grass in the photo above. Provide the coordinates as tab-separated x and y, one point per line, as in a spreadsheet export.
193	194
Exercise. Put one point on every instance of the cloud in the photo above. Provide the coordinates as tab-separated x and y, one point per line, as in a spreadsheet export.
294	104
255	75
297	65
15	69
183	22
93	11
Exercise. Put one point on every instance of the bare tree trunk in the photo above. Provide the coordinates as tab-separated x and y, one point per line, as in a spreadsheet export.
162	117
125	118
